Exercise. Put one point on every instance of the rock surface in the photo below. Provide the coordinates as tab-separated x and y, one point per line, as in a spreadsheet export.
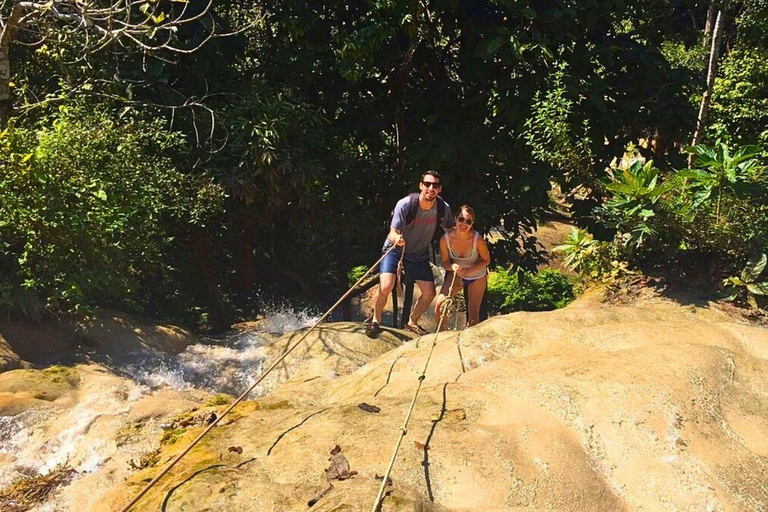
656	406
9	360
110	332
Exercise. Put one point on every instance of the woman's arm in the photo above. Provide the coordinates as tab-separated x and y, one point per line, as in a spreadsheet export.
445	257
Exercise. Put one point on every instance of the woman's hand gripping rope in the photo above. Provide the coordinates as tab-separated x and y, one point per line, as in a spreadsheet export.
444	309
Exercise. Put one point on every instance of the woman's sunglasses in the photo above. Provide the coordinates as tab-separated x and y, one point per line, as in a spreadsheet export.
466	221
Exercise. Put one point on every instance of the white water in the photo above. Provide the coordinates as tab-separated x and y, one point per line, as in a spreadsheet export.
226	366
82	434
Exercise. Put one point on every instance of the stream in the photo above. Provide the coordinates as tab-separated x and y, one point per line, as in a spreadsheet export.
85	428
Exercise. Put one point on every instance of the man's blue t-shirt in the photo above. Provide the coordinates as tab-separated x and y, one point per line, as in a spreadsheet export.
418	234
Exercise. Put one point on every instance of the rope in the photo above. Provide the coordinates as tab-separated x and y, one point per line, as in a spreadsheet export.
248	391
400	285
444	307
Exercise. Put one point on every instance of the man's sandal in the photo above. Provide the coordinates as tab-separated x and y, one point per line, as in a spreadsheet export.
416	329
372	329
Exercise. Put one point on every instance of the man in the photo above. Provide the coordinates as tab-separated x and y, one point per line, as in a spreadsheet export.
413	226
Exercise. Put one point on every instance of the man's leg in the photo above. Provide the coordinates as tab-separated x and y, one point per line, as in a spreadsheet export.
427	294
386	283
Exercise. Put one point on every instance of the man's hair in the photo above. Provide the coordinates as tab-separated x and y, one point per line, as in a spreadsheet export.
434	174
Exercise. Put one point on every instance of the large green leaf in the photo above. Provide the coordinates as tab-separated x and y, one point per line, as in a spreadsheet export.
758	288
754	268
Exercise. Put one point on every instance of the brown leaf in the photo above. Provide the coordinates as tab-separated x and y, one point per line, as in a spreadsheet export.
369	408
420	446
235	449
336	449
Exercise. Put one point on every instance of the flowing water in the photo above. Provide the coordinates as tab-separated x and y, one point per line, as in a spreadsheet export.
80	431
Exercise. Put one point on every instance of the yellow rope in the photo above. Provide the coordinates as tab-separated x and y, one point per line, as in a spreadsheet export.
445	306
248	391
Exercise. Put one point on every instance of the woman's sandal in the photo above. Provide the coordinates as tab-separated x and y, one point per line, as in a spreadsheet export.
416	329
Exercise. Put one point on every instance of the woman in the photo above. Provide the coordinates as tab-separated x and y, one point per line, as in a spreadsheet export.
464	251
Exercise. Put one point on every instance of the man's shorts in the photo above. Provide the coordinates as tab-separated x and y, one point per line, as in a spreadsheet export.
414	270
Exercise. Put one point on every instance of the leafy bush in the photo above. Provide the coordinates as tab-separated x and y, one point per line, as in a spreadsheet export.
527	291
634	188
585	255
720	214
716	217
749	284
355	273
89	210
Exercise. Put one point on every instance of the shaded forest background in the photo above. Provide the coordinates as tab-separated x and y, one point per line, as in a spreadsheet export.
192	160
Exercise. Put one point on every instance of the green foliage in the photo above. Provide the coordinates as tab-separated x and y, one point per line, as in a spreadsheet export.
526	291
89	208
550	132
585	255
720	173
355	273
219	399
634	191
316	120
740	95
750	284
721	210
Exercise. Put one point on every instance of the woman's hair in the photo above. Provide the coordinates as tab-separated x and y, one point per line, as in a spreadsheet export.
468	209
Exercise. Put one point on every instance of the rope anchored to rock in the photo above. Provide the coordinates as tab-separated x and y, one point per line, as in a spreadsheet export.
444	309
251	388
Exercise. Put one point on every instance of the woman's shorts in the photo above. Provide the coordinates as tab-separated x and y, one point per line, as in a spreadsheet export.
414	270
472	279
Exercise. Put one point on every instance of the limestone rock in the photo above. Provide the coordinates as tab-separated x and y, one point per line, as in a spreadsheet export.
115	332
593	407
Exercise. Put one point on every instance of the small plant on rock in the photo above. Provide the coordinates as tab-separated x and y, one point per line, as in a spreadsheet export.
585	255
750	284
634	189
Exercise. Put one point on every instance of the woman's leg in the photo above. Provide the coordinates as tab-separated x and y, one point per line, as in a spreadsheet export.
476	291
444	292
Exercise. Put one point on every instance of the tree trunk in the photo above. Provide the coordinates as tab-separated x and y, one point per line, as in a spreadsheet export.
711	11
221	319
714	53
6	100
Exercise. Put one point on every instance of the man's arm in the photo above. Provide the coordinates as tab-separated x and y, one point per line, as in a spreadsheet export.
395	237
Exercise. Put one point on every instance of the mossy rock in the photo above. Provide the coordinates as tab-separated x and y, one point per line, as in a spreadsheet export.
48	384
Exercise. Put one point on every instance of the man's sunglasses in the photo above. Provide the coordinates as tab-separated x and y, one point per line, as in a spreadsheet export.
466	221
433	184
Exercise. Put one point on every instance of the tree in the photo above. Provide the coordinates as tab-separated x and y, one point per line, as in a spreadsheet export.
714	54
154	27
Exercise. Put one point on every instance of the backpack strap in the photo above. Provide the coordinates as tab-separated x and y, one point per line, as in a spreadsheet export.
413	208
